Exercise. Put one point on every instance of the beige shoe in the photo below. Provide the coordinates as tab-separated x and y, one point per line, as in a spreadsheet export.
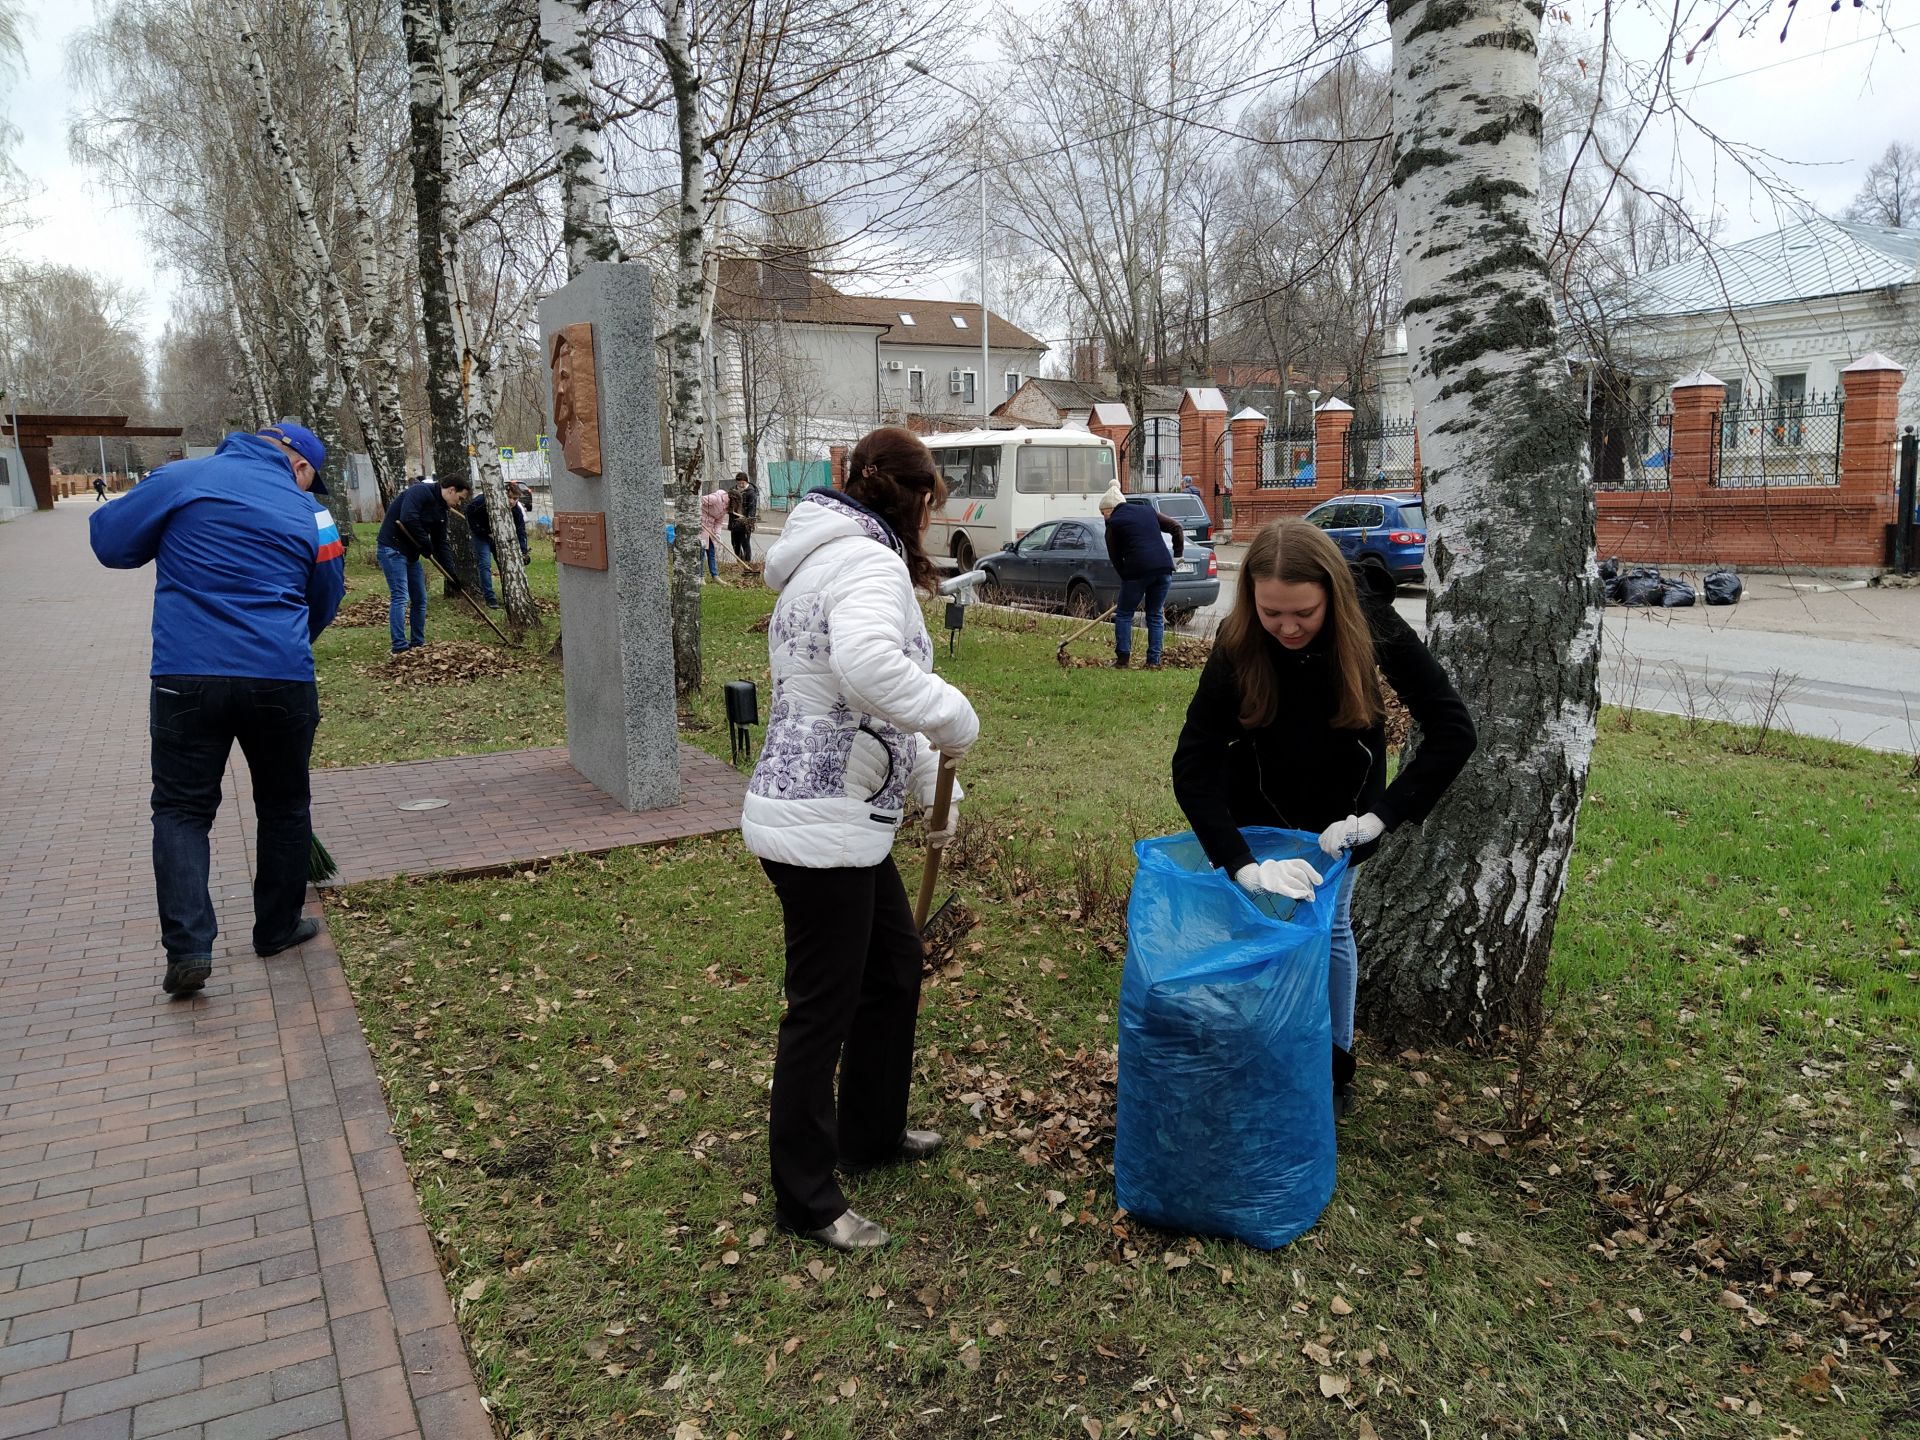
851	1232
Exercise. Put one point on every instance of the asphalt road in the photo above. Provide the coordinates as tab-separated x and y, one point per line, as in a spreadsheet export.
1835	662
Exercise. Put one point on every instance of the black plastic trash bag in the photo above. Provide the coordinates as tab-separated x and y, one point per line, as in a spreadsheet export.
1224	1113
1675	594
1723	587
1610	568
1642	586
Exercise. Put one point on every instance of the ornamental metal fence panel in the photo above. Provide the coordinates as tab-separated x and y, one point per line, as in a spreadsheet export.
1632	448
1381	454
1286	457
1790	440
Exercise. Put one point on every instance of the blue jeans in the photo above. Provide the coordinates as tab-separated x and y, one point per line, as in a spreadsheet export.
407	583
483	561
1153	590
193	721
1343	965
713	563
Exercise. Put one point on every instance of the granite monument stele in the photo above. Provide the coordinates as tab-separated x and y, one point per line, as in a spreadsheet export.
610	534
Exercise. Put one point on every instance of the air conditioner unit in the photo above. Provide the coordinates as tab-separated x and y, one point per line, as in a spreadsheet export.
956	382
893	365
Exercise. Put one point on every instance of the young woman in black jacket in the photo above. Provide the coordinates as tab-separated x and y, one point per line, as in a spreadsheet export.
1288	728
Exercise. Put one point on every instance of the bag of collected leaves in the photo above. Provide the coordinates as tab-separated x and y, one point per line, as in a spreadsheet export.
1224	1113
1723	587
1641	585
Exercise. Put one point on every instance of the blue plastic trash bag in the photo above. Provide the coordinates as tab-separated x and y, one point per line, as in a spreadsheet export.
1224	1122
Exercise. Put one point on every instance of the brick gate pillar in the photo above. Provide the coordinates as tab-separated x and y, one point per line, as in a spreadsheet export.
1331	422
1870	433
1203	430
839	454
1697	401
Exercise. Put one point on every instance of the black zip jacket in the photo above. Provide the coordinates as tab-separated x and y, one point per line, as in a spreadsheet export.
1299	772
417	521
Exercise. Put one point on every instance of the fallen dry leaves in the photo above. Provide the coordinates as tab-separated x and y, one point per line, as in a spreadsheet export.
451	662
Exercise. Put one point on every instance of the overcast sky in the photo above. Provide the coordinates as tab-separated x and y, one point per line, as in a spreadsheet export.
1823	105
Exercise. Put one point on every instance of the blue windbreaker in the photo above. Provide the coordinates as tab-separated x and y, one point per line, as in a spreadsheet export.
250	566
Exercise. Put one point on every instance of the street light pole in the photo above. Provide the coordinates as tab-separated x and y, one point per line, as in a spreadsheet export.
980	120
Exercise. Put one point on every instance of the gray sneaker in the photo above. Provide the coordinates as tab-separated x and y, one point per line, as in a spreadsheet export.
851	1232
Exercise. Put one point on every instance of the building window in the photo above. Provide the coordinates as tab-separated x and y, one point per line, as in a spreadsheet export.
1789	408
968	379
959	322
905	318
1013	382
916	387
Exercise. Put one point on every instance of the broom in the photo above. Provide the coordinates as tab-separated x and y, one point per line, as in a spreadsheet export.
320	866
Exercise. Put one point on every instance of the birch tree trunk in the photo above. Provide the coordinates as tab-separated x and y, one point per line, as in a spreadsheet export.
382	340
352	361
566	64
687	409
262	411
1458	919
321	411
428	108
514	592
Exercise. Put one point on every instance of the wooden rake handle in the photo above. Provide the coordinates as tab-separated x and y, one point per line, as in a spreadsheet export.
930	873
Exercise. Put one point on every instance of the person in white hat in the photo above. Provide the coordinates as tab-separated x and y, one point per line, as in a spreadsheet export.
1146	571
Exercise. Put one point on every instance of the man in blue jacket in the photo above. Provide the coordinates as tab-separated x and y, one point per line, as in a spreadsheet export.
416	524
1145	563
249	572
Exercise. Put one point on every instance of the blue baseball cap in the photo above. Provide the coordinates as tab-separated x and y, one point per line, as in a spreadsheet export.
304	443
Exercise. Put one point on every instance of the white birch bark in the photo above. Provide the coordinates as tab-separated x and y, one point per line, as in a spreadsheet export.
687	405
586	219
1458	916
352	358
381	339
262	410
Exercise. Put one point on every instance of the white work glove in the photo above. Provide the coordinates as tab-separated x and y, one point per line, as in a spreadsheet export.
1294	879
1354	830
945	836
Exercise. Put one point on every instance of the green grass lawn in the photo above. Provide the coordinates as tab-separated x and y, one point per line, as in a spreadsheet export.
1689	1210
367	716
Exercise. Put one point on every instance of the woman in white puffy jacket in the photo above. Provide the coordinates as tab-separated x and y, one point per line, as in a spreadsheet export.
859	720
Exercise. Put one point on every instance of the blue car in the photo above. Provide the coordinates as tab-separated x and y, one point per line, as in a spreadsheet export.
1386	530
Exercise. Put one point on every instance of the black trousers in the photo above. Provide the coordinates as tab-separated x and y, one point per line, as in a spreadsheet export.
853	999
741	533
194	721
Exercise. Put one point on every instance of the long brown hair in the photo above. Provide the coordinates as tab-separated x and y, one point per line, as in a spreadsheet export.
1296	553
892	474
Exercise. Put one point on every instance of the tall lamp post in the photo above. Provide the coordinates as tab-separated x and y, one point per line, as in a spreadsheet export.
1293	471
1313	409
980	120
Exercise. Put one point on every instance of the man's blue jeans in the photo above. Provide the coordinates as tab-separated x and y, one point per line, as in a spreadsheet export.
483	561
193	721
407	584
1153	591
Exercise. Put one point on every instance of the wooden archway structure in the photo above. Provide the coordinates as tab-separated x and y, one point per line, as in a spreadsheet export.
35	435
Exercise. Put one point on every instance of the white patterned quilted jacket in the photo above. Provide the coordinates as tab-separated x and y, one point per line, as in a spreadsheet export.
858	715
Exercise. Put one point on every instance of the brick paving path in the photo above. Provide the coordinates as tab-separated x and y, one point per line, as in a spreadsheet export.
207	1231
518	806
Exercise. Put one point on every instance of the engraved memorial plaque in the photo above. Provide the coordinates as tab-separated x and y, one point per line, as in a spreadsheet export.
580	539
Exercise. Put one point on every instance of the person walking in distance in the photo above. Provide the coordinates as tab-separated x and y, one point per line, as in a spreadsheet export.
416	524
713	514
248	571
859	722
1145	562
99	488
1287	727
743	508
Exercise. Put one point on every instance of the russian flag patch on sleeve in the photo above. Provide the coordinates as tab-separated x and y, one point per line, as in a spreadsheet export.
329	537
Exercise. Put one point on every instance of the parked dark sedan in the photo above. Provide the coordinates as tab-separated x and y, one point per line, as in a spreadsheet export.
1183	509
1064	563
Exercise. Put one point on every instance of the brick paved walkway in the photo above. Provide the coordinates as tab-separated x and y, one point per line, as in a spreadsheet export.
518	806
207	1231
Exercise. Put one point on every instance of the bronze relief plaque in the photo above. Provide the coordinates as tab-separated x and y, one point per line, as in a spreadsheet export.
580	539
576	400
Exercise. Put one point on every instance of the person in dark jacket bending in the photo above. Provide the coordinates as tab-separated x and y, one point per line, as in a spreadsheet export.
480	530
1287	728
1146	565
416	523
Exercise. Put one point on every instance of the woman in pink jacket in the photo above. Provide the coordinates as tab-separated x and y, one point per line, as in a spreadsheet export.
713	515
